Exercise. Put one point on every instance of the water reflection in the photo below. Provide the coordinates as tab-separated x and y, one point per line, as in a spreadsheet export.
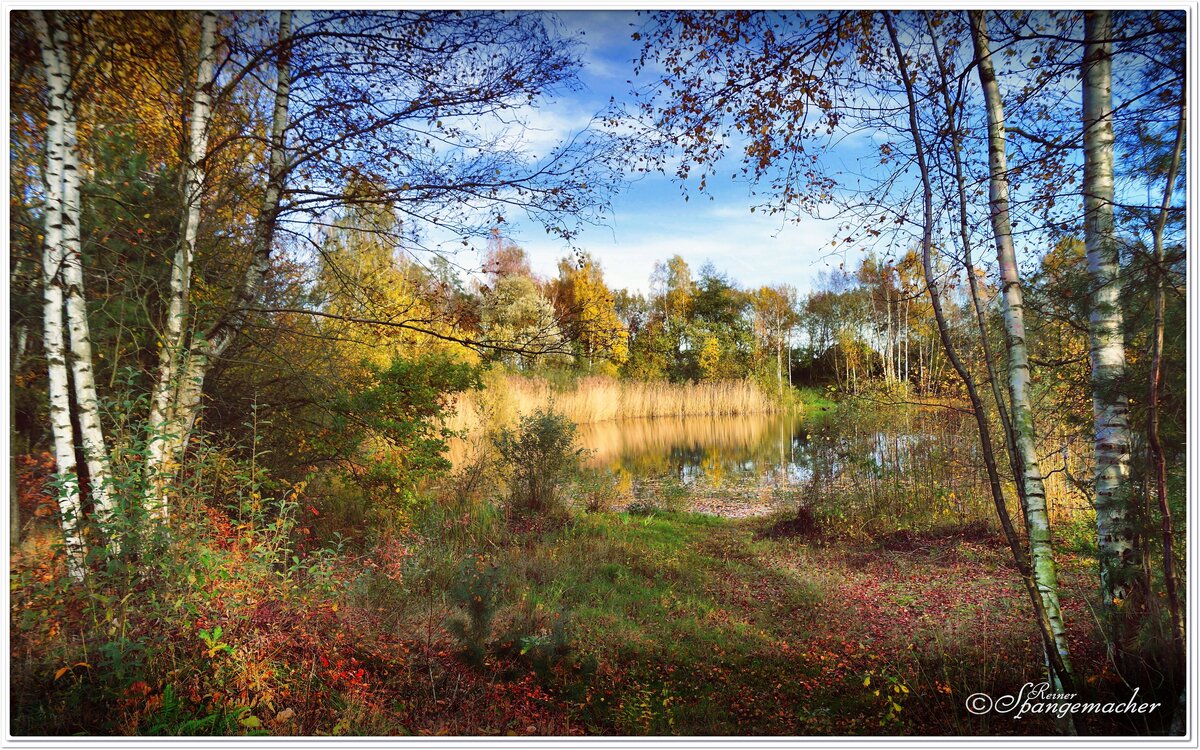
713	449
915	467
865	468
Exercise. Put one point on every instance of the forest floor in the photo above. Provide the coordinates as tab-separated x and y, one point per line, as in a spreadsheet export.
606	623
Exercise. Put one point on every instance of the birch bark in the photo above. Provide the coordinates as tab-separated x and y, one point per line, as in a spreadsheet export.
54	334
164	427
207	349
87	402
1033	495
1119	564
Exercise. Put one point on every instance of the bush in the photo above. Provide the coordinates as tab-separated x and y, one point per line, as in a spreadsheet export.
597	491
540	641
389	434
477	593
668	496
541	455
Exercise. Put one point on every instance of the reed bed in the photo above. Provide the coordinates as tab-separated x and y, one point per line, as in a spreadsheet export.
507	397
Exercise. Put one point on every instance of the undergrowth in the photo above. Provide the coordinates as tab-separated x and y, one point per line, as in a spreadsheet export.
256	615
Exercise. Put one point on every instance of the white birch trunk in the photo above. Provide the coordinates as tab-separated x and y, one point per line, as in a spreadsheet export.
1119	564
887	346
203	352
87	402
1033	494
789	360
54	335
164	426
779	363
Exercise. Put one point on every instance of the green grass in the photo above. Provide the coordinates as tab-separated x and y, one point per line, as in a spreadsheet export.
685	612
814	398
682	623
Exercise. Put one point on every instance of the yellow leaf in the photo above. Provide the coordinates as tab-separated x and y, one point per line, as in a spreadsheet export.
61	671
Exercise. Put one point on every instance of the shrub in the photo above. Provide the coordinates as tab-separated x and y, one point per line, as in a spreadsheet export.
477	593
397	421
541	454
597	491
668	496
540	641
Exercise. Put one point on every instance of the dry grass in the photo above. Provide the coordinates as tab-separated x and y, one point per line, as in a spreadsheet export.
593	399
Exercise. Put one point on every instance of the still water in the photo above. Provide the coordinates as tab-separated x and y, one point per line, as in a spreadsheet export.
916	467
865	467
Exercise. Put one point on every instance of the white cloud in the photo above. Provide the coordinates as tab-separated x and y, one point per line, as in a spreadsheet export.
752	249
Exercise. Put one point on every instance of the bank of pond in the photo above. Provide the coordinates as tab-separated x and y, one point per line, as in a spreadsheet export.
819	572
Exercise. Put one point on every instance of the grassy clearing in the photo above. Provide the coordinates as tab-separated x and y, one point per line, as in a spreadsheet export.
682	623
475	620
814	398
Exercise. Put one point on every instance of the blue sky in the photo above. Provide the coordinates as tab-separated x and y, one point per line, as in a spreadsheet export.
650	220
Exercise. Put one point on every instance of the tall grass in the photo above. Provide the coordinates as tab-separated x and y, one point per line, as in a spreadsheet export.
507	397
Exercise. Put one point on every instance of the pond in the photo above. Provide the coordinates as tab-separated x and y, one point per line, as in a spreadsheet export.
900	468
866	468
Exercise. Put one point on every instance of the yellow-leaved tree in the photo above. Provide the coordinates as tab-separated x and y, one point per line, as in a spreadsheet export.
586	306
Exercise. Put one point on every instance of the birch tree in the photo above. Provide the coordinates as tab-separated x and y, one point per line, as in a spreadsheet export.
164	425
1039	579
1033	494
87	401
775	317
1115	522
183	406
54	333
63	278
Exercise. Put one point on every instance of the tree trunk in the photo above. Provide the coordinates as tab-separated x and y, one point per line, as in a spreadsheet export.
87	401
779	363
1033	493
1028	575
921	366
54	335
789	360
18	444
1158	462
164	427
964	226
1115	523
203	352
886	357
